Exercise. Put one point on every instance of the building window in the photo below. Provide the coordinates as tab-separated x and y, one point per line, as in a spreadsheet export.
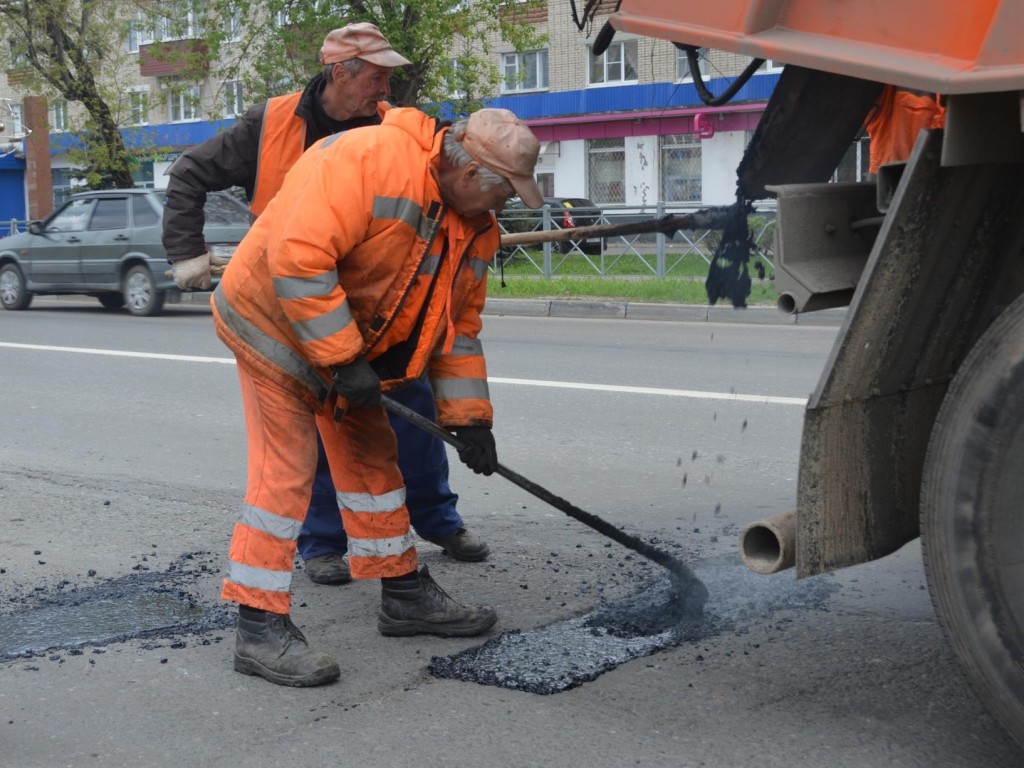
59	116
524	71
683	72
455	83
138	107
179	21
616	65
680	168
183	103
606	170
233	104
770	65
13	118
233	23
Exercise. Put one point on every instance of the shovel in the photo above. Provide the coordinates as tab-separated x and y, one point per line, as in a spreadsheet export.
689	589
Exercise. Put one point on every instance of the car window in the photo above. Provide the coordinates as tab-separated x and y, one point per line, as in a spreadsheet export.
225	210
143	214
110	213
72	218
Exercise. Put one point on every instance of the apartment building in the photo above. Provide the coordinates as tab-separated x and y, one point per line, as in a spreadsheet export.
624	128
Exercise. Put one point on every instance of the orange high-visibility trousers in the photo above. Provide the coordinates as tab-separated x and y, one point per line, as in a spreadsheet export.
363	454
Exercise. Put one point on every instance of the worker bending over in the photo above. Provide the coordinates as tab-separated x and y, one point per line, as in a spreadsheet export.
367	270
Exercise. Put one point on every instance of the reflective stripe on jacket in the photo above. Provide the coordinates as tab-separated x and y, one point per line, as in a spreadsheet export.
357	255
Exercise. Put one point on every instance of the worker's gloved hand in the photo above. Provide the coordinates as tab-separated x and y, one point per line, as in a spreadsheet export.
478	451
358	383
193	273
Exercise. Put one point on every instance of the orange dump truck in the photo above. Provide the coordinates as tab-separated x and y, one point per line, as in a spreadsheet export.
916	427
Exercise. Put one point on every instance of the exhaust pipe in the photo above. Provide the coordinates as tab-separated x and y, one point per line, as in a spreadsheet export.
769	545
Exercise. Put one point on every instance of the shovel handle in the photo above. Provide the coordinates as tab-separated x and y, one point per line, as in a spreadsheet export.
595	522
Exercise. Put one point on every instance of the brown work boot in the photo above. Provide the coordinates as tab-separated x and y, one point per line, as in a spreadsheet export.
331	568
462	545
422	607
271	646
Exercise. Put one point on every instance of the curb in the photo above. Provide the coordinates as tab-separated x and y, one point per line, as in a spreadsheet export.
685	313
603	310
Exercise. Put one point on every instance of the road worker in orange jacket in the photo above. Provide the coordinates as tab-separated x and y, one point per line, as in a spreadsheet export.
367	270
255	154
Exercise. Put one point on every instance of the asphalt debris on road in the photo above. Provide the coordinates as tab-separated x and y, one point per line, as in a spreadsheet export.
566	654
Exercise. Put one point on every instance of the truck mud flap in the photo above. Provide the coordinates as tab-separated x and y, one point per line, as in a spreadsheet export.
946	261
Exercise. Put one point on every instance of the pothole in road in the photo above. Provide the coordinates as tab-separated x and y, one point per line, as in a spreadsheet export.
139	605
565	654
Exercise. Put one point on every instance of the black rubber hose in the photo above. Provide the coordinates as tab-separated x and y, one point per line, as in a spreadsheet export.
698	80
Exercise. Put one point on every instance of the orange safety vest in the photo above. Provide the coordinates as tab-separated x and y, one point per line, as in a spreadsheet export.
282	142
358	255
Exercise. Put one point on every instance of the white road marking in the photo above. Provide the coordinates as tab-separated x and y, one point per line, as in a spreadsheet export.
688	393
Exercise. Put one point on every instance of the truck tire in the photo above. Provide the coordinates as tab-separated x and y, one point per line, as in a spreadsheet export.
972	517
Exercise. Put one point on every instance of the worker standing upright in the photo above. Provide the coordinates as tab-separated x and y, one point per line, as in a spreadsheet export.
255	154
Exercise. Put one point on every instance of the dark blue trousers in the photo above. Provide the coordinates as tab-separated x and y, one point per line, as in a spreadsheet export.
424	465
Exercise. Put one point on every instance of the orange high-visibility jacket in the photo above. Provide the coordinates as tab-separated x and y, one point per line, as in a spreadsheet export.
282	142
358	255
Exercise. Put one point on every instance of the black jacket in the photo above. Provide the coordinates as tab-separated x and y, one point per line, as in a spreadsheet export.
230	159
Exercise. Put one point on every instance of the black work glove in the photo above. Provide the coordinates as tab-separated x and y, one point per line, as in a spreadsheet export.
478	451
358	383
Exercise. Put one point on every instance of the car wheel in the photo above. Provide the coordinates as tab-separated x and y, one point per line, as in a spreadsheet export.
140	292
13	294
111	300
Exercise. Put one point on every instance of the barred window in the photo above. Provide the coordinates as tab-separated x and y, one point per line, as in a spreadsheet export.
680	168
606	170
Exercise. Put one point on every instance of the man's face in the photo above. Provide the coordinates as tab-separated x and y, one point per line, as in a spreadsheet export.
469	200
359	94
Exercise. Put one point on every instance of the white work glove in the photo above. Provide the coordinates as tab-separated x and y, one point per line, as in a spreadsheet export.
196	273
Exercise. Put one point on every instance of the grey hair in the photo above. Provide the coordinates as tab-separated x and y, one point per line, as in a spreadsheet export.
354	67
457	154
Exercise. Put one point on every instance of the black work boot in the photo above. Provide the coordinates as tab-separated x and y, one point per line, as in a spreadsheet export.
420	606
462	545
331	568
271	646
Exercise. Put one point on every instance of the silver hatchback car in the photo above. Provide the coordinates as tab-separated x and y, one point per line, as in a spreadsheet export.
107	244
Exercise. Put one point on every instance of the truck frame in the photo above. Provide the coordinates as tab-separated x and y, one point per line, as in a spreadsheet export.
916	427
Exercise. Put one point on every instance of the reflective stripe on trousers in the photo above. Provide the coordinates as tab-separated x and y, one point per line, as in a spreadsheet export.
281	432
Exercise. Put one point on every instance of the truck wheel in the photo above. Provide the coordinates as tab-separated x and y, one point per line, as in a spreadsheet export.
140	292
972	517
13	294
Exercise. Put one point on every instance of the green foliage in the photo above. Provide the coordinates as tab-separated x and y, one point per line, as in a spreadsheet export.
73	50
450	42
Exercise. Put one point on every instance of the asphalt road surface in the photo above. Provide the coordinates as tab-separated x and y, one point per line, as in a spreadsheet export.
122	459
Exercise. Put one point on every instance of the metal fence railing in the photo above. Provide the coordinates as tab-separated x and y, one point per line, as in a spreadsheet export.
13	227
653	254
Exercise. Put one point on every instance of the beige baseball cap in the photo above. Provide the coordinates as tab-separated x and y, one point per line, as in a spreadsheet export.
503	143
361	40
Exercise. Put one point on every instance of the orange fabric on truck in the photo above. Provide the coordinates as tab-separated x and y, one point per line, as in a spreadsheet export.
898	118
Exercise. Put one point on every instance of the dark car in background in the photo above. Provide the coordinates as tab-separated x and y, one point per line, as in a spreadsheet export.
107	244
566	213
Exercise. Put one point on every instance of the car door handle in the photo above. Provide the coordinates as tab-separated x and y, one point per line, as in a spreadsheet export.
74	239
122	237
